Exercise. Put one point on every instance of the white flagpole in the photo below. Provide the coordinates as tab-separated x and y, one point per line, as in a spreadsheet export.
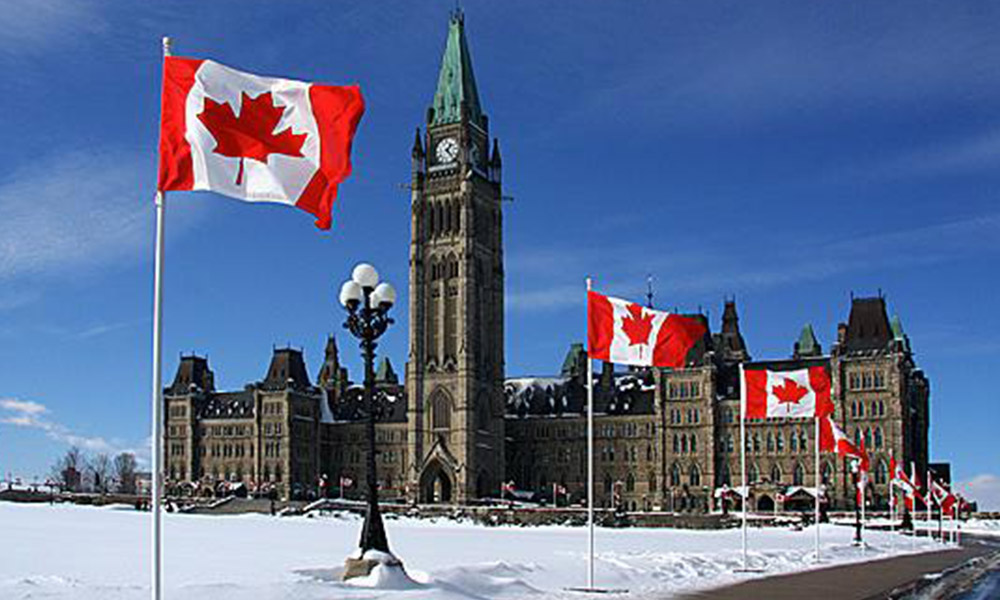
928	499
744	492
892	501
590	459
156	583
819	479
864	500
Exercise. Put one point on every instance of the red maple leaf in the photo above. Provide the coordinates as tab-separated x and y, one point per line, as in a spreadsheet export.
250	135
789	392
636	326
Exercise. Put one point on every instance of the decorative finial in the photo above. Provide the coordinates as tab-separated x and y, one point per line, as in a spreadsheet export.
649	291
167	45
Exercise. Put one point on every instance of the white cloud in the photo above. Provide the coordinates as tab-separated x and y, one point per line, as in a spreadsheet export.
30	414
984	489
73	212
720	270
35	25
26	407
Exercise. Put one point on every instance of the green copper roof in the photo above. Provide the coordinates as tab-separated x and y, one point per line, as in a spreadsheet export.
574	359
456	83
807	344
897	331
385	373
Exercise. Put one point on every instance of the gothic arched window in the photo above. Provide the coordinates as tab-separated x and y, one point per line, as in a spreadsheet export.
776	473
754	474
440	411
675	475
799	475
881	472
878	438
694	475
630	483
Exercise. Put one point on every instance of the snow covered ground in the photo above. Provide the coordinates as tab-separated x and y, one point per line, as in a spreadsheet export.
88	553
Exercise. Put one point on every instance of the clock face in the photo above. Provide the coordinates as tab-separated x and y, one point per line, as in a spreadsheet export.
447	150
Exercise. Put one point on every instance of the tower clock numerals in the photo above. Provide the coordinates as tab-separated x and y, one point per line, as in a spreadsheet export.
447	150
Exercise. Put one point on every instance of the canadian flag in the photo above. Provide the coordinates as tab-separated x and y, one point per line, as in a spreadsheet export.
942	495
626	333
832	439
258	139
777	392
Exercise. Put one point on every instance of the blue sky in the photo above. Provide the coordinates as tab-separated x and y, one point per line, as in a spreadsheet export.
785	152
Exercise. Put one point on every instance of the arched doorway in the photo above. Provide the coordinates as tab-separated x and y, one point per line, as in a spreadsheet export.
435	485
765	504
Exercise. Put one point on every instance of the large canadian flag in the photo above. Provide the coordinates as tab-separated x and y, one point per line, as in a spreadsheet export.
626	333
779	391
258	139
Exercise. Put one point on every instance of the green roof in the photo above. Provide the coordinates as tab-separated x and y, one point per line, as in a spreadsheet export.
385	372
807	344
897	331
456	83
574	359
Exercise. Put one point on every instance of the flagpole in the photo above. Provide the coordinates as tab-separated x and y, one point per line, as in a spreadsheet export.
928	498
590	459
864	498
156	582
744	491
892	499
818	481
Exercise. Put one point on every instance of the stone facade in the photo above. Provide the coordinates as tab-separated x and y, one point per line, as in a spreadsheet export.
459	430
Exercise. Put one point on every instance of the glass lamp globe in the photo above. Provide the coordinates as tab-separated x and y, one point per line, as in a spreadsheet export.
351	292
384	294
365	275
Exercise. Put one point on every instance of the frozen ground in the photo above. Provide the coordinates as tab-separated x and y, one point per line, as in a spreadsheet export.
84	553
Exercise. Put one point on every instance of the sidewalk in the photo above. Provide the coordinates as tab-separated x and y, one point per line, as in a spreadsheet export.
860	581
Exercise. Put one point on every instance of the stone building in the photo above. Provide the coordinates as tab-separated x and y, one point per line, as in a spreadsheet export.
459	429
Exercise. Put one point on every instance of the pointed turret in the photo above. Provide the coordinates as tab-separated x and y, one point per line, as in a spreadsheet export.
729	342
418	146
807	345
456	90
385	373
496	164
898	335
193	374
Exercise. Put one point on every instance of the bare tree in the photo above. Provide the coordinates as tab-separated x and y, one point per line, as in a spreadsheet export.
125	472
101	468
68	471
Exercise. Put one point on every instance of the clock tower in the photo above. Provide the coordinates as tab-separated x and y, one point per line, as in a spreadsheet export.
455	368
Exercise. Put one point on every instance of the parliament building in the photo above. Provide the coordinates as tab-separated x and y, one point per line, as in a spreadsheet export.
455	428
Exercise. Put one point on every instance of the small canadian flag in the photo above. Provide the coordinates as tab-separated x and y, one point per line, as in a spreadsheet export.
258	139
626	333
777	391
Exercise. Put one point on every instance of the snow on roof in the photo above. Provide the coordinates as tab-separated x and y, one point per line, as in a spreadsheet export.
518	390
326	415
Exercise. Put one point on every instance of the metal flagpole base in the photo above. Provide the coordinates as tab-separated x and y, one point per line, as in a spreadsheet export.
587	590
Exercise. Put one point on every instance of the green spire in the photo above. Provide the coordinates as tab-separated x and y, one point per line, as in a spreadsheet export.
897	332
456	83
807	345
385	373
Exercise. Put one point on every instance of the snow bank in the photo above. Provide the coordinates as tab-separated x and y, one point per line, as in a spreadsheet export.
86	553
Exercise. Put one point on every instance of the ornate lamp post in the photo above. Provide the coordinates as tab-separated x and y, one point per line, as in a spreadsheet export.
368	303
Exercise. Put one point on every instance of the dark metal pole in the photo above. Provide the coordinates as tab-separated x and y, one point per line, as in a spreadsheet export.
373	531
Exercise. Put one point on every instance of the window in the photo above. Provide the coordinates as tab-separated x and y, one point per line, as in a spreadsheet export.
694	476
881	408
684	444
878	438
868	438
729	442
854	409
881	472
775	473
630	483
677	444
756	442
675	475
866	380
828	478
874	409
861	409
694	443
793	442
779	442
753	475
799	475
440	412
770	442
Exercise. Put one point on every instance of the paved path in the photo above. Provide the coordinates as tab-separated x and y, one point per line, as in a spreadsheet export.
860	581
